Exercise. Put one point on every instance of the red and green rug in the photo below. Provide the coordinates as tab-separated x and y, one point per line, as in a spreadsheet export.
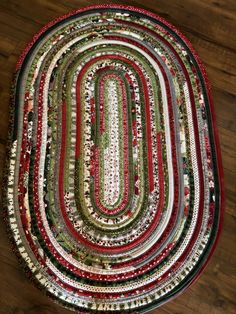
114	186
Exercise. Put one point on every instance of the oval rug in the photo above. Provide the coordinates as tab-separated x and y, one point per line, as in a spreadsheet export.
113	193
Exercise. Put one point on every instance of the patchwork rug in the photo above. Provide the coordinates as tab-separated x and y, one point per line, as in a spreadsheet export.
113	193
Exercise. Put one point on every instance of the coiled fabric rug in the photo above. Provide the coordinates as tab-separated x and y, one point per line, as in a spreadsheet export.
113	193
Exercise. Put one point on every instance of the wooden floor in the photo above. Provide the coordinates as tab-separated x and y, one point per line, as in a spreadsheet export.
211	27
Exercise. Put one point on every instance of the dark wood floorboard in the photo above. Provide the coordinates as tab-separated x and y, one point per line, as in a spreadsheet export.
211	27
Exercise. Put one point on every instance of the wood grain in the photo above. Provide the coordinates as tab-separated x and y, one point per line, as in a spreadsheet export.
210	25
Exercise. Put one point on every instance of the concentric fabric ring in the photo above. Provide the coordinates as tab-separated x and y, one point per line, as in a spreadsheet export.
114	185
